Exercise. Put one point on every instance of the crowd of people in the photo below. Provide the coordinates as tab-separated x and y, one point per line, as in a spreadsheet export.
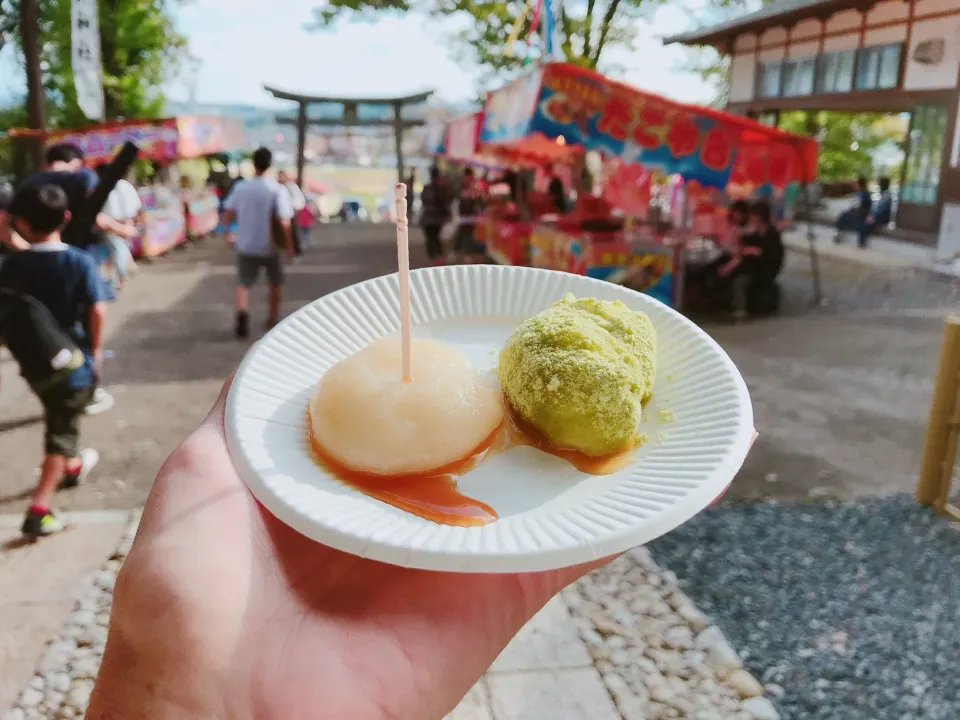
460	208
53	307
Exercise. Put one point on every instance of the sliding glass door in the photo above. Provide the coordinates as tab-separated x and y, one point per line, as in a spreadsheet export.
919	206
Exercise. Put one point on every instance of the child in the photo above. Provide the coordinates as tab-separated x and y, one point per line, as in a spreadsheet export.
65	280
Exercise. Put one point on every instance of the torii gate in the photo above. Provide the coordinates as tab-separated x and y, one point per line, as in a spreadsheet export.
349	118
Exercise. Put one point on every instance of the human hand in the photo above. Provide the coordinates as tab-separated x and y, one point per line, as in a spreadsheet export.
728	267
222	611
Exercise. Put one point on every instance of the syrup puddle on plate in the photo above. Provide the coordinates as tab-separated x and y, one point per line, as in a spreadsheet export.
434	496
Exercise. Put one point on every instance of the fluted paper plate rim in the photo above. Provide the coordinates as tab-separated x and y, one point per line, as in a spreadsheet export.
638	509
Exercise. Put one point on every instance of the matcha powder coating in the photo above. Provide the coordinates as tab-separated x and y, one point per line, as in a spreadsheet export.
579	373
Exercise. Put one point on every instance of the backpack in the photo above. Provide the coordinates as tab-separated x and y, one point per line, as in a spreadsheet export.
45	353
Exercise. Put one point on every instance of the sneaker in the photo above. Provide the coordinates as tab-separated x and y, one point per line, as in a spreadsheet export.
36	525
242	327
100	403
88	461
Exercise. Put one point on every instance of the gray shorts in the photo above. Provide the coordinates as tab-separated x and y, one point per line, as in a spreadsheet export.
248	269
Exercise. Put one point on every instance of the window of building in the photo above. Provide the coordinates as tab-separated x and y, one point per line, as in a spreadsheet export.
878	68
928	131
798	76
835	71
768	79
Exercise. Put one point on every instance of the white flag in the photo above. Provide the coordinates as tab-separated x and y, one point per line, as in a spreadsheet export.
85	57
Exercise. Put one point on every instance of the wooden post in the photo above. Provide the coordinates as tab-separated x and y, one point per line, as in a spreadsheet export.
301	140
936	468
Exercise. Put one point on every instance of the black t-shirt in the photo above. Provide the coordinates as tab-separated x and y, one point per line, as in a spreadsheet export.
770	261
65	280
434	205
77	187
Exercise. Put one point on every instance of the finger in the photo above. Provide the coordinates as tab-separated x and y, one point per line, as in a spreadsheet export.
217	413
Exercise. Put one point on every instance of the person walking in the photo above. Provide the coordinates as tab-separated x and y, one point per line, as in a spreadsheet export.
434	214
299	202
263	211
53	289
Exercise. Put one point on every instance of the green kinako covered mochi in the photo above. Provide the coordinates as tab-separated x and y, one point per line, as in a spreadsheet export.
579	371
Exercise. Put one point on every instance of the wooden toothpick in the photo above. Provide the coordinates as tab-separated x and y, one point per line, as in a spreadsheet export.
403	263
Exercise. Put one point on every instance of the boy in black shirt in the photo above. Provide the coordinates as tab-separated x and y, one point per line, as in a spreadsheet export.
66	282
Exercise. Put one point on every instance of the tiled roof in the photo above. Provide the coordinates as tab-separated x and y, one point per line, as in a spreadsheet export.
786	10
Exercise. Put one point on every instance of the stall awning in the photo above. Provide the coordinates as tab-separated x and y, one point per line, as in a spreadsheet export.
591	112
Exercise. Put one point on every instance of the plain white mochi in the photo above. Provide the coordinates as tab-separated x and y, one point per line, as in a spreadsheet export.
367	419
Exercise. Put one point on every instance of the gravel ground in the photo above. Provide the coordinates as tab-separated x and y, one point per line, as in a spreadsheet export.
853	609
659	656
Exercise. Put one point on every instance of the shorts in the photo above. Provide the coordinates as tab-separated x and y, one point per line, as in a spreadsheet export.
63	407
248	269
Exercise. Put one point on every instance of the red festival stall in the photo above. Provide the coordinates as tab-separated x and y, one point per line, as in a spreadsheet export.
645	140
170	214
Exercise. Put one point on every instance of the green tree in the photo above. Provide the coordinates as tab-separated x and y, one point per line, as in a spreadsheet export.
14	161
140	50
708	63
848	141
587	29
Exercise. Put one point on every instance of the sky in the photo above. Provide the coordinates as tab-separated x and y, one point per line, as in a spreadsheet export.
243	44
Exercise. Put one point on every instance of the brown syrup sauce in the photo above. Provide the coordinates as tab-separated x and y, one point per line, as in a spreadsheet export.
433	495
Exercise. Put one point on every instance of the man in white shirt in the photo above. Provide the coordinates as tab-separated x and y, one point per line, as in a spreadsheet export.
257	205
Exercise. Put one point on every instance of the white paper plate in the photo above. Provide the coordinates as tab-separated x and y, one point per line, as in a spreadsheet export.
551	515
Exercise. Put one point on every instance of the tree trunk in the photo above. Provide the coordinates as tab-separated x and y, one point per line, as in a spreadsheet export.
36	112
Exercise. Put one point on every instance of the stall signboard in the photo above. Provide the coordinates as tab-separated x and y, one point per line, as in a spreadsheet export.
162	140
164	222
203	212
199	135
463	135
508	112
592	112
648	268
157	139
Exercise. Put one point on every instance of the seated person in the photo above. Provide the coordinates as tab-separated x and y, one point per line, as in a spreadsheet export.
883	209
753	276
856	217
708	282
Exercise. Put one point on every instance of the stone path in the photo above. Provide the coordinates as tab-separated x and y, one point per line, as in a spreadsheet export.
39	584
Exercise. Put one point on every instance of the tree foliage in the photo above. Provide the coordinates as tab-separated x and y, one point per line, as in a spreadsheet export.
587	28
140	49
848	141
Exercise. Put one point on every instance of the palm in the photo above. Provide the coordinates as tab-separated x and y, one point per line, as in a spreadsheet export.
292	626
